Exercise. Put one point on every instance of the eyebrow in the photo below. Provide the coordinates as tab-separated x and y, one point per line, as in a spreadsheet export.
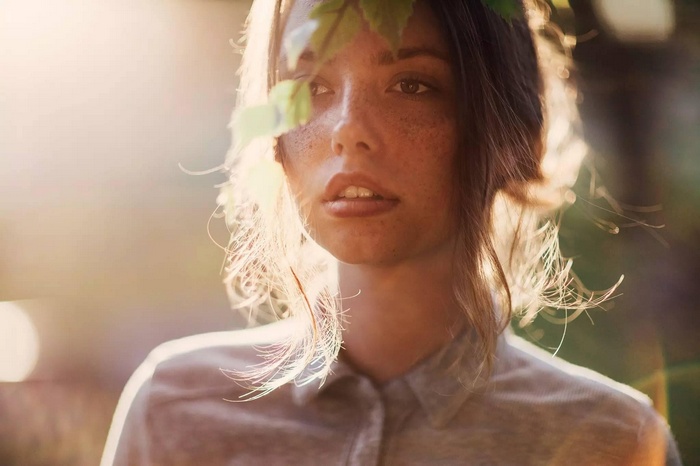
387	58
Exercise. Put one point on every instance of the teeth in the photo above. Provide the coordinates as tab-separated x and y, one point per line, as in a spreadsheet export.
364	192
352	192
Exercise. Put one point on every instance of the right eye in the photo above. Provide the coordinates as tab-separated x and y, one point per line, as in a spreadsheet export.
318	89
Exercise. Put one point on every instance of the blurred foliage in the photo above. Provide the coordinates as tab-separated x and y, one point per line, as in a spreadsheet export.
640	107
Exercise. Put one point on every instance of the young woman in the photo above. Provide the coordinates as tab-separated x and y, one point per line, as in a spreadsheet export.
408	220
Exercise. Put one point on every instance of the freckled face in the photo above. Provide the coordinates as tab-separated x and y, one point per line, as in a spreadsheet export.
382	123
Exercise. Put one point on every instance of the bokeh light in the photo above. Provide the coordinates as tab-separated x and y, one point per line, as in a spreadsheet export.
19	343
637	20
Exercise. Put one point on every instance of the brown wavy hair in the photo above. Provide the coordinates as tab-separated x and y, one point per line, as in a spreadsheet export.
519	155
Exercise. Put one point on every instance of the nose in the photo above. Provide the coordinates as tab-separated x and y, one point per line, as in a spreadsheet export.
355	132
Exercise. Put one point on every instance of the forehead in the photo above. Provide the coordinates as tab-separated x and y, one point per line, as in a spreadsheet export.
422	29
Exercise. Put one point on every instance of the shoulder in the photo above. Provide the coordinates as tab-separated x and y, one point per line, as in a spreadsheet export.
180	388
198	364
222	346
577	407
553	377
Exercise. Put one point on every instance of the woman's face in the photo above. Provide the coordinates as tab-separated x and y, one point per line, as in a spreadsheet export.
372	169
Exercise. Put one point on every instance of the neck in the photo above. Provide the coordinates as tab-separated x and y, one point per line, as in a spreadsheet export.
396	315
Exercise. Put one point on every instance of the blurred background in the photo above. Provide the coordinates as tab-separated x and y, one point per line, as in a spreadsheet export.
104	242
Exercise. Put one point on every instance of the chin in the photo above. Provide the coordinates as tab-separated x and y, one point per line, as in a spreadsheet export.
354	257
362	252
380	257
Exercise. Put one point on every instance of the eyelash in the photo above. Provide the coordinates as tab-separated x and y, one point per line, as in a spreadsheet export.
396	87
413	80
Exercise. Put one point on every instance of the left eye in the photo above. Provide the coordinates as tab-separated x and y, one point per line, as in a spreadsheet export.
318	89
410	86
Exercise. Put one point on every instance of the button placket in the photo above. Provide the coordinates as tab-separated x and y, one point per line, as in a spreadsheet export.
367	445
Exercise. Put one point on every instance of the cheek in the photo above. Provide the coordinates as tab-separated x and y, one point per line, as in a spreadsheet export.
300	150
429	145
299	144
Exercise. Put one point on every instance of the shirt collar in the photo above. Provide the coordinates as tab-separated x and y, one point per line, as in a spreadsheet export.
441	383
444	381
311	387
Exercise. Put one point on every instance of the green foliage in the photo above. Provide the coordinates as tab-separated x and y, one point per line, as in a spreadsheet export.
253	122
297	40
289	106
388	18
560	3
293	99
508	9
338	22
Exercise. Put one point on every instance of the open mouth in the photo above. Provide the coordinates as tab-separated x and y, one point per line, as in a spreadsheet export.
358	189
358	201
358	192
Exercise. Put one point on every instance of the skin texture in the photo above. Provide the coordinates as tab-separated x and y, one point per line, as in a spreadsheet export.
393	122
364	121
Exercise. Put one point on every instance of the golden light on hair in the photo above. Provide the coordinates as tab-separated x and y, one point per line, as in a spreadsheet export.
19	343
265	179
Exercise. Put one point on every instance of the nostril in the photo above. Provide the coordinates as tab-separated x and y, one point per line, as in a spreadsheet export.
350	135
336	147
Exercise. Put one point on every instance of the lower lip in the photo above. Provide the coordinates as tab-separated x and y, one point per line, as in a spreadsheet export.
359	207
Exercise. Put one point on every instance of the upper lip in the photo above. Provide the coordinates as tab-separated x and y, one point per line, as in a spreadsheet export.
340	181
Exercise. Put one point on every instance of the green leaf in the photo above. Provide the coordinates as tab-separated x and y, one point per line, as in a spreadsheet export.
293	102
338	22
561	3
301	105
297	40
253	122
508	9
289	106
266	178
388	18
